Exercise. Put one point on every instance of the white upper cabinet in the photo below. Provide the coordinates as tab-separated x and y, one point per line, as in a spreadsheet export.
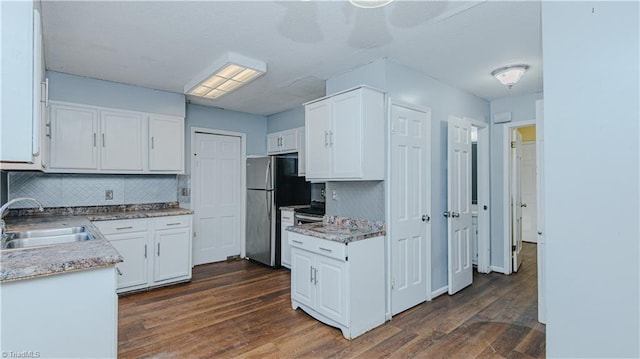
345	136
90	139
282	142
166	138
121	141
22	75
74	138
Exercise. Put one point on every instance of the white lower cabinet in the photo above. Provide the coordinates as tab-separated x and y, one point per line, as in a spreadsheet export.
286	220
156	251
339	284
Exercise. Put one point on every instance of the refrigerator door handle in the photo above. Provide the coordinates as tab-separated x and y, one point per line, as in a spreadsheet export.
266	175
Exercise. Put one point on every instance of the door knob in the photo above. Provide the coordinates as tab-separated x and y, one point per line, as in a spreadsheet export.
447	214
523	205
455	214
425	218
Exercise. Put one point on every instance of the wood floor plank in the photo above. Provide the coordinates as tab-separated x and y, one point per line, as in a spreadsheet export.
238	309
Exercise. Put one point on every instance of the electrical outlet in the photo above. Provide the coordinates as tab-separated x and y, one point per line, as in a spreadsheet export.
334	195
184	192
108	194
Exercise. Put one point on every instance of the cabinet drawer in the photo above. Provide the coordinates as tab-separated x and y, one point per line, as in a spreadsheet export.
122	226
324	247
172	222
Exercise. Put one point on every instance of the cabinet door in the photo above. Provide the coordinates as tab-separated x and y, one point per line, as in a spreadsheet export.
172	254
317	120
120	141
273	143
17	81
302	166
302	286
288	141
134	249
74	132
331	287
166	142
345	139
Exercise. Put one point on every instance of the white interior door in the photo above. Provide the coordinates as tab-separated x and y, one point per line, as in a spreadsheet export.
459	204
528	186
217	198
410	196
516	198
542	302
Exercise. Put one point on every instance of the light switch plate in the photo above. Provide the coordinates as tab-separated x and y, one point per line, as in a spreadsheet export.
108	194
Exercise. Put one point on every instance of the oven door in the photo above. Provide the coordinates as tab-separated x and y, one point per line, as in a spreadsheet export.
300	218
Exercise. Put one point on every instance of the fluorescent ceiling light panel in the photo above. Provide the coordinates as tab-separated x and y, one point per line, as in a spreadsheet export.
370	4
510	75
225	75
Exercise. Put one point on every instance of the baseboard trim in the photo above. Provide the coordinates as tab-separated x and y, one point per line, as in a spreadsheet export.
497	269
440	291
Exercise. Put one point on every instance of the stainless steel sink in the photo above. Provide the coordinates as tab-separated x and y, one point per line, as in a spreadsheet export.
45	237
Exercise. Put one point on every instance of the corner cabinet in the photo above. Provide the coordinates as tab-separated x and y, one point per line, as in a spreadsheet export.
339	284
90	139
345	136
156	251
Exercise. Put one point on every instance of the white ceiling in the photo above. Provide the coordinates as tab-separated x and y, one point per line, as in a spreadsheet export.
163	45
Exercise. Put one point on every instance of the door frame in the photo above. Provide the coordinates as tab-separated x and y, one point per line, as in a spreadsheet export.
243	177
506	190
387	188
484	195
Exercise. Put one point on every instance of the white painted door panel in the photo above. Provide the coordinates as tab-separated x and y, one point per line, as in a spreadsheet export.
409	202
516	198
217	198
302	277
459	204
542	302
288	141
74	137
331	288
121	141
171	247
134	250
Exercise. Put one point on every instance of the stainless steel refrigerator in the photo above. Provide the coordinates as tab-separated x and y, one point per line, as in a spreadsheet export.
272	182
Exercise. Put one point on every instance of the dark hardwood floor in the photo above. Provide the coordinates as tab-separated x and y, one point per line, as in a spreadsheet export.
240	309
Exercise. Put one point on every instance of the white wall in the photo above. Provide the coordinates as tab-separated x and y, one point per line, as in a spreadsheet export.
522	108
591	132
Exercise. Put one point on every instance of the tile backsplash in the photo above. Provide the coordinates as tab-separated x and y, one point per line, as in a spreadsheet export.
359	199
68	190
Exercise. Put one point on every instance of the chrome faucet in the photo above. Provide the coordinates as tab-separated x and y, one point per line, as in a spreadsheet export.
3	226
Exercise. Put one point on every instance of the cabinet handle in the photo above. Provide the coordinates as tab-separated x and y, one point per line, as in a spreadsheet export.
315	276
311	274
103	143
326	140
121	228
326	249
152	142
118	270
294	241
173	224
48	126
331	138
145	251
94	139
158	249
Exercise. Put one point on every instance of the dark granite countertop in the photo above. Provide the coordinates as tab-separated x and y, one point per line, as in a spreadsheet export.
341	229
25	263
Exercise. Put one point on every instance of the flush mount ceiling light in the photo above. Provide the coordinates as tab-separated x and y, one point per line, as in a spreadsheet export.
510	75
370	4
225	75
